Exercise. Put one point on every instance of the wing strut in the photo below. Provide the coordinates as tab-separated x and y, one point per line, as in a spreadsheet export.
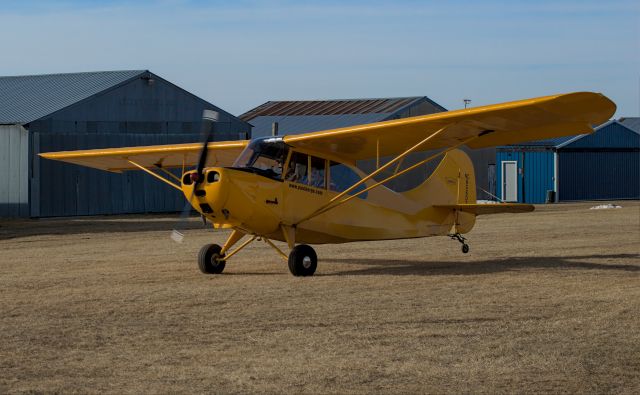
168	173
388	164
330	205
176	186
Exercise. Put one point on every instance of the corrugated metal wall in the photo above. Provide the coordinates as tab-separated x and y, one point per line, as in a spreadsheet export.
538	176
61	189
535	174
14	171
139	107
599	175
134	114
484	161
603	165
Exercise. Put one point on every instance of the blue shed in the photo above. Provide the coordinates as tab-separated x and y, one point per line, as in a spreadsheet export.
604	165
59	112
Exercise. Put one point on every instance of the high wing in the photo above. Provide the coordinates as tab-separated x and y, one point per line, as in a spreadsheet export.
222	153
498	124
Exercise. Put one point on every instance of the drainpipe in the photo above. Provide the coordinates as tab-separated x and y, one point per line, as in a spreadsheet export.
556	183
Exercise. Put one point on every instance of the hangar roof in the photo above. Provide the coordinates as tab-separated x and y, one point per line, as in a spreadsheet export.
302	116
547	143
329	107
631	123
26	98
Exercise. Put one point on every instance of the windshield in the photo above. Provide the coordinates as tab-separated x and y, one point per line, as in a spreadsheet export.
264	157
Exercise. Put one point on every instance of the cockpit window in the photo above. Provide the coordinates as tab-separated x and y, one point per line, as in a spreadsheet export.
264	157
343	177
306	169
317	172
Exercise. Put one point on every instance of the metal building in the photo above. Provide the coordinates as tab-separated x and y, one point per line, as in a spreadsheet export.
604	165
295	117
59	112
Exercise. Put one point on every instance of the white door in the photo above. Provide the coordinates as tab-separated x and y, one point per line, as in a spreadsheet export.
510	181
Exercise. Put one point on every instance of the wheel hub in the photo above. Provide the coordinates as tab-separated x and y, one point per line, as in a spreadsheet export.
306	262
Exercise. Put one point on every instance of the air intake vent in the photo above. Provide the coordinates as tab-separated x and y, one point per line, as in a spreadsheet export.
186	180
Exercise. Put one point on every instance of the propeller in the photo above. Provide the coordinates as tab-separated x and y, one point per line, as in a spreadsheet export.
209	117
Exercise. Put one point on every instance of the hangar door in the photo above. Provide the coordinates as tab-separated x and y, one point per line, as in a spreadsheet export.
599	175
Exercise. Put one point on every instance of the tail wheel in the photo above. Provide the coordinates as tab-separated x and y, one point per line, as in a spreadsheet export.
210	260
303	261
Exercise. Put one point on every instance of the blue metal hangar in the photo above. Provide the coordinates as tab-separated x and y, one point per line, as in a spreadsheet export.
604	165
59	112
303	116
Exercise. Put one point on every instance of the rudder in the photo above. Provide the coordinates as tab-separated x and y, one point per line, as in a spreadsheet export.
452	182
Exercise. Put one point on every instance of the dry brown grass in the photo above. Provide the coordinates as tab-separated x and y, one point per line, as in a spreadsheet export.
545	302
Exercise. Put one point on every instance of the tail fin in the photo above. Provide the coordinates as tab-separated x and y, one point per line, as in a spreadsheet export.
452	183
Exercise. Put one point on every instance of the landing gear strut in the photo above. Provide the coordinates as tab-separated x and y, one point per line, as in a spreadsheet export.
212	258
461	239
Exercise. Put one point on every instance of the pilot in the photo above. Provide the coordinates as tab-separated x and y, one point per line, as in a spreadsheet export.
291	172
277	167
318	178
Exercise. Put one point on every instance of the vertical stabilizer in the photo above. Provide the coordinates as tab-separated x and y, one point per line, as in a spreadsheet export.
453	182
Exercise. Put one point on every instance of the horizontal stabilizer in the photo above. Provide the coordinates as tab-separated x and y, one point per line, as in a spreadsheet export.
489	208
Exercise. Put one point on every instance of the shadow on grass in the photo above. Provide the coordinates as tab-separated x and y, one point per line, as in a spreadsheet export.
15	229
629	263
251	274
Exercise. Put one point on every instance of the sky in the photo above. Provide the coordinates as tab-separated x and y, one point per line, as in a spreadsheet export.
240	54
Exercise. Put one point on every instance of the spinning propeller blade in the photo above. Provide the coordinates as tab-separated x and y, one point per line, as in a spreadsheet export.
209	117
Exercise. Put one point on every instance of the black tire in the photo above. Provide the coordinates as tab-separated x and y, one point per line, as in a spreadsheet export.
303	261
209	259
465	248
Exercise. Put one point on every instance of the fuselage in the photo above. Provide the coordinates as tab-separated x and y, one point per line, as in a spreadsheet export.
260	201
260	205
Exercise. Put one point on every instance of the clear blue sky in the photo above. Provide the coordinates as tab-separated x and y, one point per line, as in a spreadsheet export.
239	54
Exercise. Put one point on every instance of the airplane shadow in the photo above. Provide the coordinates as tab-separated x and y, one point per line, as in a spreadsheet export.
627	263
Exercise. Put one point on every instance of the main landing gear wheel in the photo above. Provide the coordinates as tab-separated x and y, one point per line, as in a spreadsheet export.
465	248
303	261
210	260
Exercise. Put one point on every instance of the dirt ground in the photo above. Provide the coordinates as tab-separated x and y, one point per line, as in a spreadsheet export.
545	302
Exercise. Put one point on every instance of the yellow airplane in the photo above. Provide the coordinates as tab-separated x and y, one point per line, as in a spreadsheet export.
306	189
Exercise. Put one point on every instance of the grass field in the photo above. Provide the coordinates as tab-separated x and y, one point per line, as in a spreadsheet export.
544	302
